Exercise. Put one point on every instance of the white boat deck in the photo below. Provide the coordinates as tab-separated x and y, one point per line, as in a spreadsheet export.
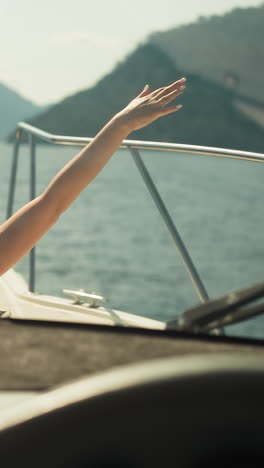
17	302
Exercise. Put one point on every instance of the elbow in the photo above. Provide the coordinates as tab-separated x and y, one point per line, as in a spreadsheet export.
54	204
50	209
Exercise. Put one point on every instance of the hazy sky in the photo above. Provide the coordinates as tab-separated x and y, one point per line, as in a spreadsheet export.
52	48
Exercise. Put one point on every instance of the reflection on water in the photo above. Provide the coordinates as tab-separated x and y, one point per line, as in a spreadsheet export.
113	241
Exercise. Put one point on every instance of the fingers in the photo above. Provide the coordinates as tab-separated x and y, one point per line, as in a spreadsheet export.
157	91
176	87
169	89
145	91
170	96
154	104
169	110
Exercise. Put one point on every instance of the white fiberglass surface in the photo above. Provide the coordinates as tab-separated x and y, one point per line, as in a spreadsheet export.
9	399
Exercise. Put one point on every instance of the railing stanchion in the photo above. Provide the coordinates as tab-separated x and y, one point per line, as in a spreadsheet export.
187	261
12	183
32	194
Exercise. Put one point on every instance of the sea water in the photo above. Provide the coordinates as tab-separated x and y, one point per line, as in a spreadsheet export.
113	241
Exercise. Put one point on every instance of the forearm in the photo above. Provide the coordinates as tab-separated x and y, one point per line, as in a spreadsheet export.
85	166
23	230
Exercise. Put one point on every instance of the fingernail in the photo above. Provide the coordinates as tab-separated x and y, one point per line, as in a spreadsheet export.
184	79
146	86
182	88
179	106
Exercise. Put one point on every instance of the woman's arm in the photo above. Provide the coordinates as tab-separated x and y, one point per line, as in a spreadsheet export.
23	230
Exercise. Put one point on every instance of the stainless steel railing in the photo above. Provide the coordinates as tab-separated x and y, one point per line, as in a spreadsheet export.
134	147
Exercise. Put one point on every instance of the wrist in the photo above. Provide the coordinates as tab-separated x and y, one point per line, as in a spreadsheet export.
122	123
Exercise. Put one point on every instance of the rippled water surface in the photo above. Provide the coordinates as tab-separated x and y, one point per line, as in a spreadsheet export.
113	241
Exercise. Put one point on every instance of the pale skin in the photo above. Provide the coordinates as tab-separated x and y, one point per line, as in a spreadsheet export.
24	229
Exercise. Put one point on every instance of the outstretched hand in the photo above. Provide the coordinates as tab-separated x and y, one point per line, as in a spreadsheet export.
22	230
149	106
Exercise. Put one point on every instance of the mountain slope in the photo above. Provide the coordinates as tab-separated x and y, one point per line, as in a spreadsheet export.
13	108
218	46
208	116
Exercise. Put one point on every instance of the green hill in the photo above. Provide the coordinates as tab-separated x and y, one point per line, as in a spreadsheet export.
218	46
13	108
208	116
